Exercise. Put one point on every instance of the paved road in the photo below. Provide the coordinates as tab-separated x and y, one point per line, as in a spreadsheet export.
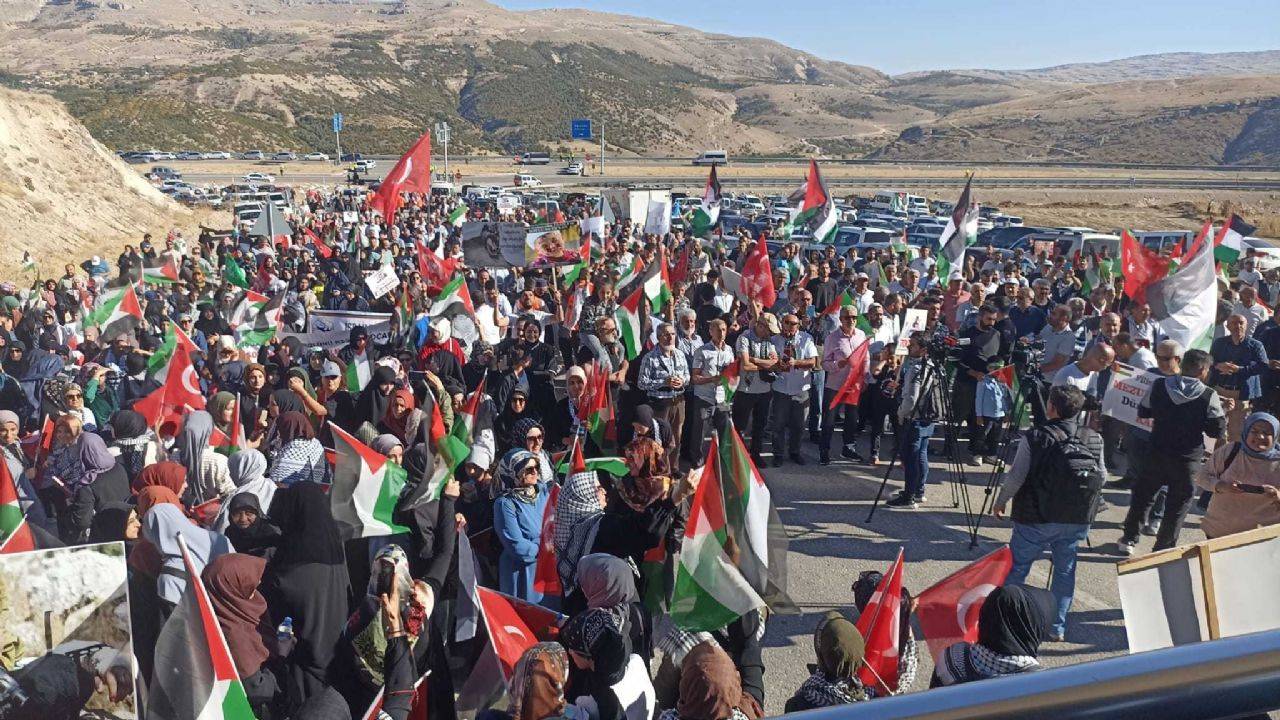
825	512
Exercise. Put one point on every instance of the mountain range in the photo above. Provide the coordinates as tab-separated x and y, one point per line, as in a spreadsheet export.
267	74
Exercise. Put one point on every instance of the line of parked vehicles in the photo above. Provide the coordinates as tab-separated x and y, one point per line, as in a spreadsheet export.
149	156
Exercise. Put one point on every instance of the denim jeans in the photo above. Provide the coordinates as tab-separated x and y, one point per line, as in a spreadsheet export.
913	448
1062	540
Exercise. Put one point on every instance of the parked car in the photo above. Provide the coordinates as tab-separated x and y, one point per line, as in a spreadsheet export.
254	155
284	156
217	155
160	172
257	177
190	155
315	156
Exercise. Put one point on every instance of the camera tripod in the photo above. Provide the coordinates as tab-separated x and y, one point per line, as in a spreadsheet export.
1028	392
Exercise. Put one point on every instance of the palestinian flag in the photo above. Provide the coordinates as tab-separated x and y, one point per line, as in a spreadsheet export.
452	448
256	318
234	274
961	232
628	317
657	284
195	676
596	409
1186	302
817	210
417	708
631	275
1092	278
733	557
574	463
234	441
457	216
707	214
1229	243
164	275
404	314
366	487
831	313
356	375
454	299
584	261
653	566
729	379
15	533
436	273
119	312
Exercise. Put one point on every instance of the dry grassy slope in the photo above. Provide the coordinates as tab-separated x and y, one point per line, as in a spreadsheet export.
64	196
1191	120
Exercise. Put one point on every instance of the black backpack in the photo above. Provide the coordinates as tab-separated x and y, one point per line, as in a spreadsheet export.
1064	476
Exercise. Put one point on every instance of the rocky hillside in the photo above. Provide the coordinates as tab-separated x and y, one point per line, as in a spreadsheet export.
63	195
241	74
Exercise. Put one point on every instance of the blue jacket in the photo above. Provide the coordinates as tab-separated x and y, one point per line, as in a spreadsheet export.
518	526
1249	355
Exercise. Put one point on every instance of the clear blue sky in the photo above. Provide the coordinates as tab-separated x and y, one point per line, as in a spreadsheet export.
904	35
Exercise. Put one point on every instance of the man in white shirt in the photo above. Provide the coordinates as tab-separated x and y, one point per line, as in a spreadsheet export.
861	292
710	404
923	264
1252	310
1083	373
797	356
1249	274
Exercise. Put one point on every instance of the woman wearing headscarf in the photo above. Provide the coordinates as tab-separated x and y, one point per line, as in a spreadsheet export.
538	685
133	443
166	474
608	583
232	582
307	580
300	457
222	406
248	528
607	678
62	467
372	402
578	510
840	650
504	427
389	445
102	480
403	419
534	439
248	469
12	455
517	523
711	689
207	476
1244	478
161	525
116	522
1014	620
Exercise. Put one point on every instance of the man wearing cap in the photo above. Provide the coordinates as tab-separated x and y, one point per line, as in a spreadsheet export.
861	292
757	360
339	403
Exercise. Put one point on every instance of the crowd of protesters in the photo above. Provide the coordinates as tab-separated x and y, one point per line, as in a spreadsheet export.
258	521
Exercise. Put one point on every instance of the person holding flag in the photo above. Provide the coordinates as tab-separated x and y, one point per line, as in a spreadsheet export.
839	352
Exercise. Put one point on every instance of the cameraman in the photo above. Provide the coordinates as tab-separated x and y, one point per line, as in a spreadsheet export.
1054	482
919	407
983	346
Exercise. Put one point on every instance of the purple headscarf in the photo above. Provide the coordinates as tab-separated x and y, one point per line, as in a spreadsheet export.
95	459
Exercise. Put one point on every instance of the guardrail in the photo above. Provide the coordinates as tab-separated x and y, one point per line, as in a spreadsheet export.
1140	183
1231	678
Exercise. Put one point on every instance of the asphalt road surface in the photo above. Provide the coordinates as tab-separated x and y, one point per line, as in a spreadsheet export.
825	511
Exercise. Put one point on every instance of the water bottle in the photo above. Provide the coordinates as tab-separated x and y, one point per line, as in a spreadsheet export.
284	633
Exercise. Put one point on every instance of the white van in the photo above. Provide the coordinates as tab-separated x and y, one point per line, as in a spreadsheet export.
712	157
888	201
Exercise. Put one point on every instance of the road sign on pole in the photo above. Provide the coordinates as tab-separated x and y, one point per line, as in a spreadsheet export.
580	129
337	135
442	136
337	122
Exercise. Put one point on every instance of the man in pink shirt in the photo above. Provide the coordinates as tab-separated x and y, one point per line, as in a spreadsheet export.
839	345
952	299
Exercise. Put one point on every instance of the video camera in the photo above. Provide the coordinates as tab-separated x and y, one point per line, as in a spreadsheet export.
1027	358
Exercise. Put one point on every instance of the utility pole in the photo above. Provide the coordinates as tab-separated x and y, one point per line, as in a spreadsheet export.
442	135
601	147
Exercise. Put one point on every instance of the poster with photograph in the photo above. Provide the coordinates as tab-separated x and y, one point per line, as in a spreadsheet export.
493	244
64	613
551	245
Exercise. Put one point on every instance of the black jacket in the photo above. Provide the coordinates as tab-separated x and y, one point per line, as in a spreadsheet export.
1182	413
1046	496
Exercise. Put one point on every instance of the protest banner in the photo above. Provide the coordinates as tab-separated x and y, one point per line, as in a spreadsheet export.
552	245
657	218
382	281
507	204
1129	386
335	338
329	320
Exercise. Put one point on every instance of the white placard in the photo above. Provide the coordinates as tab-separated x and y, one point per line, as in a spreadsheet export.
382	281
1129	386
915	321
658	218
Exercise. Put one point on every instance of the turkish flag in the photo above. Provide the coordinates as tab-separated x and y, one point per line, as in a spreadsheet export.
318	242
436	273
1140	266
180	393
757	275
680	272
411	174
514	626
880	625
851	391
545	577
948	611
